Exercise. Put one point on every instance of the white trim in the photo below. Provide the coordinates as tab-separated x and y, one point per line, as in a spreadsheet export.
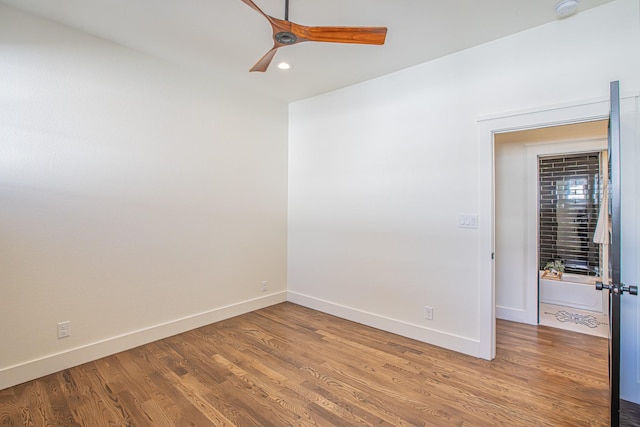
513	314
51	363
547	109
550	108
399	327
487	299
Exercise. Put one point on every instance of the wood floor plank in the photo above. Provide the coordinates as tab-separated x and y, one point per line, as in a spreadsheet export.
287	365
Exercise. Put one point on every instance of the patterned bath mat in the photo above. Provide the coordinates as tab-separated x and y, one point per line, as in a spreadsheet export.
587	320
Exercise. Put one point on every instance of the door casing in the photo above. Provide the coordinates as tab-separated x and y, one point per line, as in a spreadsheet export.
488	126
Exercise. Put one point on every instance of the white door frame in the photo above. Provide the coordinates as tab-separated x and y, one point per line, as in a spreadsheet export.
580	112
488	126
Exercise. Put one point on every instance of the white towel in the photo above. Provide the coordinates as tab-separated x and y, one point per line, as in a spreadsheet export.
601	234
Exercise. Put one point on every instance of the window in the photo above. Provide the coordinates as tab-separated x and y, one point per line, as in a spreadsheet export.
569	202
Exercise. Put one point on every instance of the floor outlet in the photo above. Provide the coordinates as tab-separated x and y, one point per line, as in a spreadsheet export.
265	285
428	312
64	329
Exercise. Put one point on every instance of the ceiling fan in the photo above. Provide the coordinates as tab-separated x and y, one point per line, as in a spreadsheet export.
287	33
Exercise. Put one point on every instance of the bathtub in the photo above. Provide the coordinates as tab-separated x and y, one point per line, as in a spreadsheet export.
572	291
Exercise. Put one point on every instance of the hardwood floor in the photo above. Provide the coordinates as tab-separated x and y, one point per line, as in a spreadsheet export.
629	414
289	365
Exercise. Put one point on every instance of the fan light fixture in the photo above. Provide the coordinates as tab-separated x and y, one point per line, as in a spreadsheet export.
566	8
287	33
285	66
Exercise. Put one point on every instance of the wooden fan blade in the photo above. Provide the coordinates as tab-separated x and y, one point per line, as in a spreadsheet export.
286	33
356	35
264	62
252	5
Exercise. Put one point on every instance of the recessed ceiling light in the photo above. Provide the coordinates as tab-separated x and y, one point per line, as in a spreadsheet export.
566	8
285	66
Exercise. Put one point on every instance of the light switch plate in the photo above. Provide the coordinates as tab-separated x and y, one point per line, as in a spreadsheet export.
468	221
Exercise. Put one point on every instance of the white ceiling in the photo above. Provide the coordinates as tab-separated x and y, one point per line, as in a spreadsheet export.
226	37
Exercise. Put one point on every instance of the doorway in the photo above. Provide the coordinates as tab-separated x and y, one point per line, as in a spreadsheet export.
568	304
488	128
571	255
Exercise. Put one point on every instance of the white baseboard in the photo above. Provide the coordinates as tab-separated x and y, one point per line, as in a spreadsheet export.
515	315
52	363
399	327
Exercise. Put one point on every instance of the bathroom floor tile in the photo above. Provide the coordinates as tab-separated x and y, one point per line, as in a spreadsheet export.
573	319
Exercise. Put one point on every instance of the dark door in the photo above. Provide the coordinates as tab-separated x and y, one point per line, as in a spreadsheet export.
616	289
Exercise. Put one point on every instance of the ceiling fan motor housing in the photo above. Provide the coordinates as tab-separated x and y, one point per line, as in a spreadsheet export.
286	37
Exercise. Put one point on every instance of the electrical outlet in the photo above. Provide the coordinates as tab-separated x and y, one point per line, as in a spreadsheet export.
265	285
64	329
428	312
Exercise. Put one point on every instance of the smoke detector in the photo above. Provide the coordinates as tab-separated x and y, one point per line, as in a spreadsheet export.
566	8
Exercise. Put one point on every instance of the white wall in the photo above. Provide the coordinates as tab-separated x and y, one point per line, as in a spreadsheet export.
380	171
136	201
